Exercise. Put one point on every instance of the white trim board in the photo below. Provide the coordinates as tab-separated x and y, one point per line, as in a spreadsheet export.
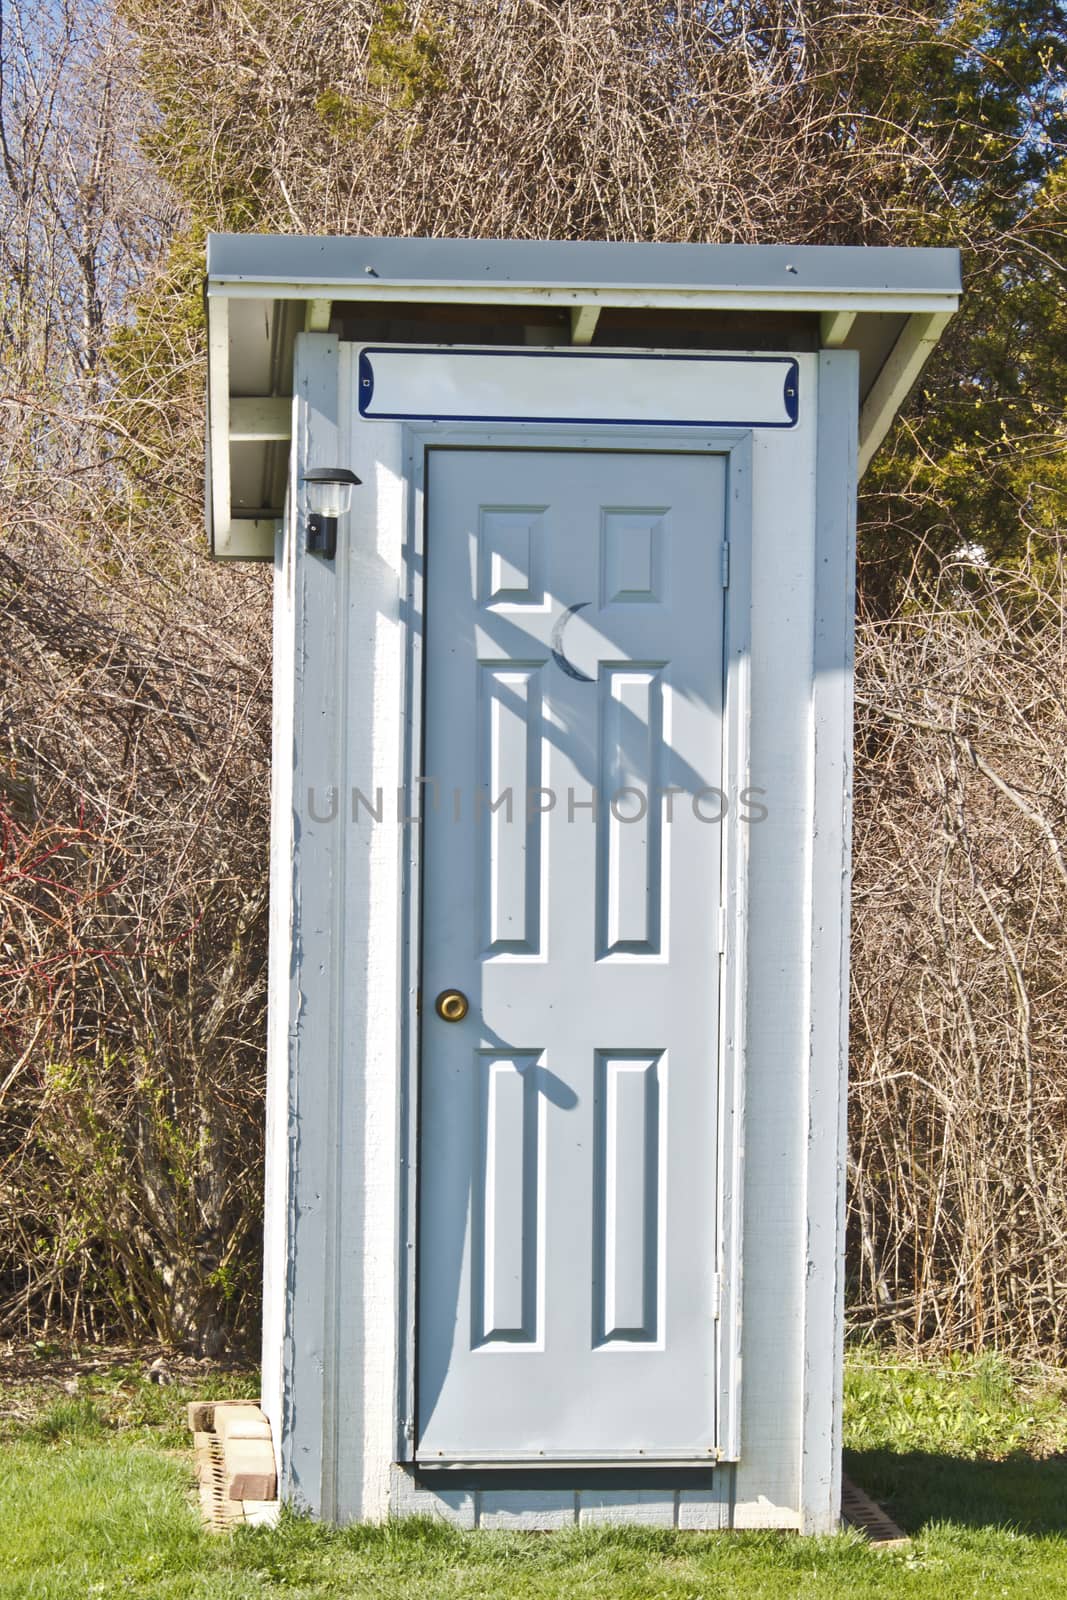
418	293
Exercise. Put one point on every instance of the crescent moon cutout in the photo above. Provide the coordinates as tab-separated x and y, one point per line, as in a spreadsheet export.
558	655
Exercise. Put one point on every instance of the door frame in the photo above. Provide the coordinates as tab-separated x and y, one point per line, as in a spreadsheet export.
735	445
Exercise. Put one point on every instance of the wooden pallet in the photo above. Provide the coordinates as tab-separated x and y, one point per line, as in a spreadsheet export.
859	1511
235	1470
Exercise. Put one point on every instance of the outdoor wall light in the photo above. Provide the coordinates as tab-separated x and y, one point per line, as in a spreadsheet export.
329	497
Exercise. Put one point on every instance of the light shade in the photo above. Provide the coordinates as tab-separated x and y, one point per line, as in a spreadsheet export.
330	490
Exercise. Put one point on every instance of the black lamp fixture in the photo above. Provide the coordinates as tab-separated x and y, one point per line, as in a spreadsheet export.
329	497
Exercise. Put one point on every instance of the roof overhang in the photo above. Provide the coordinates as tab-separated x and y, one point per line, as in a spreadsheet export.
890	305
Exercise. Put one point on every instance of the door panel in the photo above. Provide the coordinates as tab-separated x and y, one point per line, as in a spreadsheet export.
566	1281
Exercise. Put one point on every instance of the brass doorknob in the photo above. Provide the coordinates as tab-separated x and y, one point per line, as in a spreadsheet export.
451	1005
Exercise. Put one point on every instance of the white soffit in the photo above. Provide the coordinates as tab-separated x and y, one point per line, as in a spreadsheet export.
888	304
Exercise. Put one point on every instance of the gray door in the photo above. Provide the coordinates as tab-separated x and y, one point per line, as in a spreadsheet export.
566	1280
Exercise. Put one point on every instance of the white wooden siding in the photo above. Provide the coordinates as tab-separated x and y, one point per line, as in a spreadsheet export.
333	1310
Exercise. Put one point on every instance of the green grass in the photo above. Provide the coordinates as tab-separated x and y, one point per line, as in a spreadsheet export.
96	1500
969	1450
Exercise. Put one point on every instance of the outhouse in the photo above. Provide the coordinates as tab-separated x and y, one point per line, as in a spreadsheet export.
563	546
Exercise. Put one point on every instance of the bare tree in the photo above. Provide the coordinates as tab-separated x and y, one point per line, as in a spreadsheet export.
959	1099
744	120
82	215
134	724
133	691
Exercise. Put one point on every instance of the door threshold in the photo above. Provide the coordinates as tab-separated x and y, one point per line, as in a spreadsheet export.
535	1460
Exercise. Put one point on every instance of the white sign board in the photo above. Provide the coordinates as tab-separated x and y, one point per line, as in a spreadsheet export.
450	385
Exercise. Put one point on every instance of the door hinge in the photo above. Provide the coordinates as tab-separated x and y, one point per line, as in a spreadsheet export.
716	1297
726	566
722	930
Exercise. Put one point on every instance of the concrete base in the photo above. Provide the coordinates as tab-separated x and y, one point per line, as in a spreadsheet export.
703	1510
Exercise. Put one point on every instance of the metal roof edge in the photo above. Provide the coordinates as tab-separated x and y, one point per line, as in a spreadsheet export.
298	266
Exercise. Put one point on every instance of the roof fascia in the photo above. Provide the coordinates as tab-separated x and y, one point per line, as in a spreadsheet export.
640	296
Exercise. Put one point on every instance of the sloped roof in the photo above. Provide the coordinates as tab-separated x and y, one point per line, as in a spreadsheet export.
888	304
